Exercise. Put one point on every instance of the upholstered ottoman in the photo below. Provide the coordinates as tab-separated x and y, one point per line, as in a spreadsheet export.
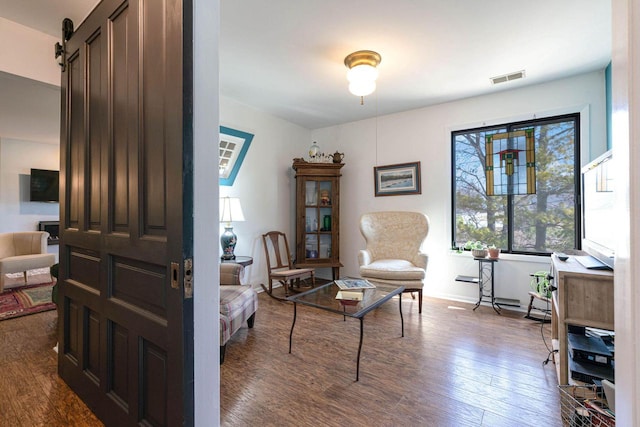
238	304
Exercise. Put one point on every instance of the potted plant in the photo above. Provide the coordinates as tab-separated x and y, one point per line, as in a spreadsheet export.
494	252
477	248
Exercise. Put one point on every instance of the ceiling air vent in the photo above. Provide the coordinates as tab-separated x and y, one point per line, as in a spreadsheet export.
507	77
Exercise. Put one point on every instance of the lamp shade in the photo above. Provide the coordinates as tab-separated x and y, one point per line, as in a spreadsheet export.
230	210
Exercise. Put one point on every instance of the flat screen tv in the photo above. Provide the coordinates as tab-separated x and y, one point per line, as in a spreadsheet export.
598	210
44	186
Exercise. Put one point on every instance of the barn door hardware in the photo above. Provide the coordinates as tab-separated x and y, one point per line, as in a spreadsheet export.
61	49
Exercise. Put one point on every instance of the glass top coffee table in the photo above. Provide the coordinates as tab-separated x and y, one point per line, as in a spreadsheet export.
324	298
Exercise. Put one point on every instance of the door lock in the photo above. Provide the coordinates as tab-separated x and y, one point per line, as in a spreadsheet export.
188	278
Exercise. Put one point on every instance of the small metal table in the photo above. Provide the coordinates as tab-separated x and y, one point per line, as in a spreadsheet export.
485	280
486	289
324	297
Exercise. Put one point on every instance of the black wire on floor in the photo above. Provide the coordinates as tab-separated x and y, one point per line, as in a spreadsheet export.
551	350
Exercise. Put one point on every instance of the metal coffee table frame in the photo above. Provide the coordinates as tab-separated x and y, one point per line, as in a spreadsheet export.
324	297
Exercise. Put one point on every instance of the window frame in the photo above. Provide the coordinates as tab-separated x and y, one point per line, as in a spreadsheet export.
242	142
509	127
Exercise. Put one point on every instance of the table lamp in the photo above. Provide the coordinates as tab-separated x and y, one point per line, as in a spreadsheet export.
230	211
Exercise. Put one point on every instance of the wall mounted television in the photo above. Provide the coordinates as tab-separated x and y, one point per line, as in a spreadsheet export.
44	186
598	210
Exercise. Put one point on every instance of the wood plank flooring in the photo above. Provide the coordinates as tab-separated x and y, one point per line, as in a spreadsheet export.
454	367
31	392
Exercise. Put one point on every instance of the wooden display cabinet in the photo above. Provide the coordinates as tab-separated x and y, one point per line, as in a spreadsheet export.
318	215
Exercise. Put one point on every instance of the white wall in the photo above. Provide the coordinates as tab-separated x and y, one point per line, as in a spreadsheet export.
206	298
29	54
425	135
265	182
266	185
17	158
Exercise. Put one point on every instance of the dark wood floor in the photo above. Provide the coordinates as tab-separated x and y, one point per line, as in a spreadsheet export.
454	367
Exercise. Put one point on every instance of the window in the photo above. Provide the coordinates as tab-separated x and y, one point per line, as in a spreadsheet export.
538	223
233	145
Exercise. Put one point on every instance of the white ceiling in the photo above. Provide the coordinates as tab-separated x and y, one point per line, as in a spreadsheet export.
46	15
286	57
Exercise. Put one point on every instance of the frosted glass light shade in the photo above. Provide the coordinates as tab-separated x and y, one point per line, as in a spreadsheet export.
362	79
363	72
362	88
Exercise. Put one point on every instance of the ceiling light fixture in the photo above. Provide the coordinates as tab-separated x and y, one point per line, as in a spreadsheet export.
362	72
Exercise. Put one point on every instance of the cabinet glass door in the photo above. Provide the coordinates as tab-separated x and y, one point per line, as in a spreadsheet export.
311	193
311	246
318	219
325	194
325	245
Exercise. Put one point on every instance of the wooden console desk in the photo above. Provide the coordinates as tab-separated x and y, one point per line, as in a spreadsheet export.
583	298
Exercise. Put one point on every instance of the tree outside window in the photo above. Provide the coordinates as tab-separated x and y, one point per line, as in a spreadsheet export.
539	223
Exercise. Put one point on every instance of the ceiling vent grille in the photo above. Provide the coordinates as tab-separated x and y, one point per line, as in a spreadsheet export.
507	77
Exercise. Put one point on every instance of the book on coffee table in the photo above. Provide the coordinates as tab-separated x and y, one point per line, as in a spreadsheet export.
354	284
356	295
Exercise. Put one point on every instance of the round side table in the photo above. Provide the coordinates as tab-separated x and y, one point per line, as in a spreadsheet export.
242	260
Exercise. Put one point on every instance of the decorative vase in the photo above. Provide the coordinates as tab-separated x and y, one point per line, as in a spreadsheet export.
228	241
314	152
326	223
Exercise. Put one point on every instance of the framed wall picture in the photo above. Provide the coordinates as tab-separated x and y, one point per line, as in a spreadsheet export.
396	180
234	145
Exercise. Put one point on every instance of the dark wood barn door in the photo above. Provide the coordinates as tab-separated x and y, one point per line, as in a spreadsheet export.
125	314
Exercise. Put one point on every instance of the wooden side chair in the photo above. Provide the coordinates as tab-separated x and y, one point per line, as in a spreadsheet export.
279	265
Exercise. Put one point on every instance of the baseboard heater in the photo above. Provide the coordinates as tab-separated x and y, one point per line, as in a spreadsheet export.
507	301
499	301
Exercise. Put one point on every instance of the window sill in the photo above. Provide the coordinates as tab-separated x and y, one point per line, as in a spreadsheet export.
537	259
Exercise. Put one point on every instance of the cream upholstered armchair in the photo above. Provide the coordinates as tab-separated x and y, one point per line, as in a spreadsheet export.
22	251
393	252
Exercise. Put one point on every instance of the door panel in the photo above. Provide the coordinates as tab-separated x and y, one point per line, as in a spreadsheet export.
121	323
75	139
95	129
